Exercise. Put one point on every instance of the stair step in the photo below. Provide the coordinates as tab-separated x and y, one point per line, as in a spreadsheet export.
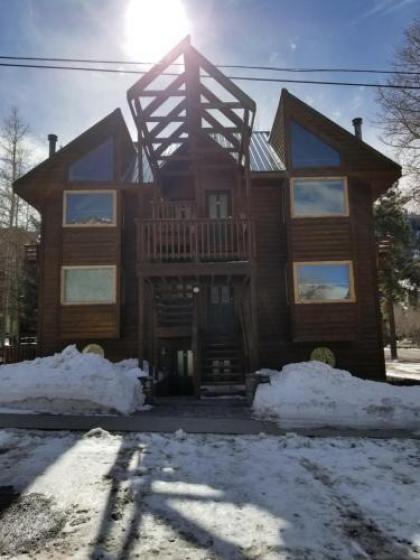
224	348
220	353
221	389
210	366
223	380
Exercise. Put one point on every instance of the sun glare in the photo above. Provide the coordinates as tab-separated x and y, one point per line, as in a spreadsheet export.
153	27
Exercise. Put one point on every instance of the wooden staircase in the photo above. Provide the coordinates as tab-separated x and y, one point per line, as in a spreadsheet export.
174	305
222	367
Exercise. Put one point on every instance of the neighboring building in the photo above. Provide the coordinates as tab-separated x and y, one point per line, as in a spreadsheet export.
14	244
219	251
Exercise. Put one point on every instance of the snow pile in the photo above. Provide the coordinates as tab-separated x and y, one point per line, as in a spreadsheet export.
315	394
72	383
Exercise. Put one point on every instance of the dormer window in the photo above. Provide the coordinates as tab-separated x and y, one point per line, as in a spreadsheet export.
97	165
319	197
89	208
310	151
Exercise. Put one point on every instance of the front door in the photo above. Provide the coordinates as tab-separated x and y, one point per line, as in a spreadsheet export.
221	310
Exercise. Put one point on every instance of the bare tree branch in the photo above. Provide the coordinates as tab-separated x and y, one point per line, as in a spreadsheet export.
400	109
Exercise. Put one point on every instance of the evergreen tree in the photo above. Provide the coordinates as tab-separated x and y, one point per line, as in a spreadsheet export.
399	272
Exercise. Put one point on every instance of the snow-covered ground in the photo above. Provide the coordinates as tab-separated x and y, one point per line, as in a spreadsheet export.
313	394
407	366
205	497
71	382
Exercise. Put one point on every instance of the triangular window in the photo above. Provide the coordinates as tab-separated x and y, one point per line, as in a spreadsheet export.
96	165
310	151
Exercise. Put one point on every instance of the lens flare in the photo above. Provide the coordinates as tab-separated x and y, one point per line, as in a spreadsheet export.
153	27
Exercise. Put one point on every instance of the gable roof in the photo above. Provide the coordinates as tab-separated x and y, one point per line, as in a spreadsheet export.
42	177
358	156
263	158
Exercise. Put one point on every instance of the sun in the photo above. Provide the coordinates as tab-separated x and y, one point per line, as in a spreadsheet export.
153	27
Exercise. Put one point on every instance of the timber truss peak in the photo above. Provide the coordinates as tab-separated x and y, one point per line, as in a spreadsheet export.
199	107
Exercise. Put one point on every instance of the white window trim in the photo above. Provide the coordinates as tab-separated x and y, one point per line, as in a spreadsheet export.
112	301
298	301
344	214
90	191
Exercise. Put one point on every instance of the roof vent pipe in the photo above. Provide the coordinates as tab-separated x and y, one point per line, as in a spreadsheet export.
357	123
52	141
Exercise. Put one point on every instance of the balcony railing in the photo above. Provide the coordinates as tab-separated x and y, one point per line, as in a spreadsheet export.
203	240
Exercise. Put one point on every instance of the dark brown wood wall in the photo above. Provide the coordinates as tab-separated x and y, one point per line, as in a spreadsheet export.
288	332
50	259
271	262
114	326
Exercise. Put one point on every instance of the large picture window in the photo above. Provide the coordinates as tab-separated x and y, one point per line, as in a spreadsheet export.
96	165
315	197
310	151
323	282
82	285
89	208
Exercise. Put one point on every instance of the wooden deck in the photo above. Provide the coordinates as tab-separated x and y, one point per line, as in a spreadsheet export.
195	240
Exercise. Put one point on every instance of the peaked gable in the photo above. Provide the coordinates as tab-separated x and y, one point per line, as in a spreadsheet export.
356	156
78	157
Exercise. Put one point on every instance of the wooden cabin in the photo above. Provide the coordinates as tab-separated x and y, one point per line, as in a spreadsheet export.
204	247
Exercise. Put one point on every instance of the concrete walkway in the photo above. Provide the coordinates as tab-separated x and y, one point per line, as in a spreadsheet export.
140	423
405	370
230	417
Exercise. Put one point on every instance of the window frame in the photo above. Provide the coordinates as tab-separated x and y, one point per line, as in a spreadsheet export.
346	212
351	299
114	301
114	222
226	192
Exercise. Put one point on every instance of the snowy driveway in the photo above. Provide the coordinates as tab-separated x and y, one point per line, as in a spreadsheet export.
206	497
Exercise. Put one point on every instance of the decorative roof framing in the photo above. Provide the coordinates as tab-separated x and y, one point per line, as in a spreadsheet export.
215	116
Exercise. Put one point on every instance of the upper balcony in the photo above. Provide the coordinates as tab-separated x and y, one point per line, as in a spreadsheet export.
174	233
198	240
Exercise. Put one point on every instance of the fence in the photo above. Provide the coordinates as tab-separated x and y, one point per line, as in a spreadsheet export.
18	353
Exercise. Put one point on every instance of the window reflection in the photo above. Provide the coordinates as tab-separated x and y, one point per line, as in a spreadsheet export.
319	197
323	282
310	151
89	285
96	165
89	208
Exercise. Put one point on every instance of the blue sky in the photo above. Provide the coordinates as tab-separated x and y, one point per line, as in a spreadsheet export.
361	33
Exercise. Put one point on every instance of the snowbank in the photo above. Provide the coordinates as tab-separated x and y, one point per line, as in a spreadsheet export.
315	394
71	383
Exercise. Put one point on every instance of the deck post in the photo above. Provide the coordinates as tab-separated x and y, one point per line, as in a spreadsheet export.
195	340
253	350
141	320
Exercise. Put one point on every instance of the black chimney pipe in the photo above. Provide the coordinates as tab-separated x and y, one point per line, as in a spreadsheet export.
357	123
52	140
